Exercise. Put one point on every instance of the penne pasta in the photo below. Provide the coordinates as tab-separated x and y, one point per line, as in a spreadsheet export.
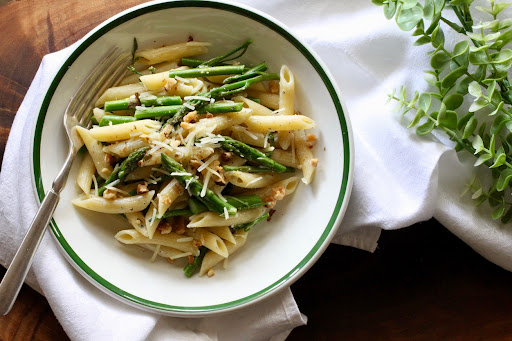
85	174
222	231
211	258
212	219
257	109
172	52
267	99
211	241
99	157
170	240
123	131
305	157
125	148
120	92
252	180
279	123
135	203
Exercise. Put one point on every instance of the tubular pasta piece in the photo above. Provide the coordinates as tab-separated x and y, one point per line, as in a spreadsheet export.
170	240
211	258
172	52
267	99
136	219
211	241
122	131
252	180
212	219
125	148
119	92
305	157
222	231
96	151
85	173
257	109
279	123
135	203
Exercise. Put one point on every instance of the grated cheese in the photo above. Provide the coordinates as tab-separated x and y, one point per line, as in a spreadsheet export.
265	141
226	214
161	171
180	174
95	184
251	135
253	181
201	98
191	107
184	254
207	163
184	80
205	185
184	240
155	253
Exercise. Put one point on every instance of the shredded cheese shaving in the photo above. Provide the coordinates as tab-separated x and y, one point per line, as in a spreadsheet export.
253	181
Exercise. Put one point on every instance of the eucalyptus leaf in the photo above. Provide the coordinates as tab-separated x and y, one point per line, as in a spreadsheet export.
475	90
438	37
482	159
390	9
470	127
498	212
478	104
425	101
440	60
462	87
460	48
450	79
419	115
422	41
453	101
478	144
499	160
499	122
428	9
406	19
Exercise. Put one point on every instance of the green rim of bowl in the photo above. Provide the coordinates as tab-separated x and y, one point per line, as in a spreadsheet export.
343	195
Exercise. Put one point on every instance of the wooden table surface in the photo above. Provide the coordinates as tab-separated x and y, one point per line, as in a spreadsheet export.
422	283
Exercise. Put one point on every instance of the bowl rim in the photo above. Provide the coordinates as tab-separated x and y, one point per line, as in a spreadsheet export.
344	191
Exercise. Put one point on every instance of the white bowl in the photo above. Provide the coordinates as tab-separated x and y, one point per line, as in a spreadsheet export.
277	253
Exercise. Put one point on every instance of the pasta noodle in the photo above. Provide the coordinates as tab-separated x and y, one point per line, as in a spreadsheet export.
192	179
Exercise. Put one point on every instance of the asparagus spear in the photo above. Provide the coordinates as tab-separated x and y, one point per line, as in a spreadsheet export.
208	71
214	108
126	167
228	56
176	213
115	119
247	226
245	202
220	92
253	169
219	108
245	151
190	268
127	103
247	74
195	187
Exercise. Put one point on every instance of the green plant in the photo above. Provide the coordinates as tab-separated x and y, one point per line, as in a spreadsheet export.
475	71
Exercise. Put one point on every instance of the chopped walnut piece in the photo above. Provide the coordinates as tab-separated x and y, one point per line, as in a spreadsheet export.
186	125
179	226
110	159
196	243
190	259
171	261
209	115
270	214
172	84
226	156
273	87
191	117
164	227
211	273
271	204
195	163
311	140
314	162
142	188
109	194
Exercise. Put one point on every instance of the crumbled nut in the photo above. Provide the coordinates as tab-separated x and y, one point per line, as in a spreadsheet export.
110	159
209	115
278	193
314	162
311	140
211	273
270	214
138	222
109	194
170	260
273	87
179	225
190	259
142	188
105	170
270	204
172	84
197	243
186	125
195	163
226	156
191	117
164	227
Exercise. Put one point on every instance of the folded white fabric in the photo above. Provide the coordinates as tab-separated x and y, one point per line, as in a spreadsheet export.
400	179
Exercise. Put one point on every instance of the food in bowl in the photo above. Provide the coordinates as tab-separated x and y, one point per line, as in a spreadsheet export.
194	153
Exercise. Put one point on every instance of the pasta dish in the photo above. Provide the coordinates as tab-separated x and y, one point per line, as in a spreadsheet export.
194	153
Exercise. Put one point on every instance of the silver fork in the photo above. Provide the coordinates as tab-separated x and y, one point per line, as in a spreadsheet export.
78	112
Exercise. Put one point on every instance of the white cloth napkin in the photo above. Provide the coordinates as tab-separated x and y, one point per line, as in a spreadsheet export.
400	179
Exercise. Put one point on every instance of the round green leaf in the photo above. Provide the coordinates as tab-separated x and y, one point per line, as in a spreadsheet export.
462	87
440	60
453	101
419	114
406	19
390	9
452	77
470	127
424	101
460	48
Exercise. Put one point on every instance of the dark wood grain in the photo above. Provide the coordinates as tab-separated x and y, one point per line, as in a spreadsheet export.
421	284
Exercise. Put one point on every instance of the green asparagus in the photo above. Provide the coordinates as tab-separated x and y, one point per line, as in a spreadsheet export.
190	268
208	71
115	119
176	213
245	151
247	74
254	169
247	226
195	187
129	103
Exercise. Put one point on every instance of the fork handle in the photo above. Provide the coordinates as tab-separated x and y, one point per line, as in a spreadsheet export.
17	271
